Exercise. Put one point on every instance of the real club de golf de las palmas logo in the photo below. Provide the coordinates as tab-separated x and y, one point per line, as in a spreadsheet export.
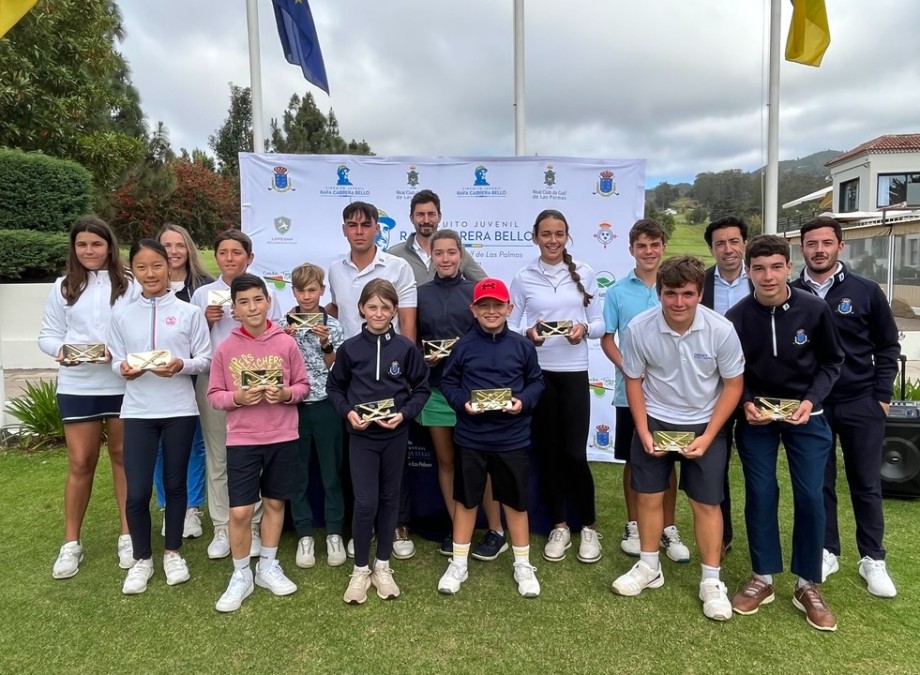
549	176
412	176
606	187
281	181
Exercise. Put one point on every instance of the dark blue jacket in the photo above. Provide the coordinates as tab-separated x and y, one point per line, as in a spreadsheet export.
444	312
868	333
791	351
482	360
370	367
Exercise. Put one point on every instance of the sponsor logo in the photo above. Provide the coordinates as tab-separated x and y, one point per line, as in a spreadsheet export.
549	176
606	186
602	437
605	279
480	174
281	182
342	173
282	224
382	240
412	176
605	235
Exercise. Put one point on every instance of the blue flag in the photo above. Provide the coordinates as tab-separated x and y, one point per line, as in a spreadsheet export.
299	41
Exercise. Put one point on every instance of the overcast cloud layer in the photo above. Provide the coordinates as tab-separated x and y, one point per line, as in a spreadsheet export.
680	84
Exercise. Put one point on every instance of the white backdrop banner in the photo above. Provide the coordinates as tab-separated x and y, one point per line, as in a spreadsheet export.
292	208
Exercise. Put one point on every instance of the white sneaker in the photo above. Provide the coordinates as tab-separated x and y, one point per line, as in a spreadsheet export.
220	546
335	550
305	556
673	546
382	579
716	605
255	545
830	564
875	572
272	578
192	527
589	548
239	588
528	586
125	552
630	542
358	584
138	576
68	561
403	547
175	568
350	549
637	579
450	581
559	540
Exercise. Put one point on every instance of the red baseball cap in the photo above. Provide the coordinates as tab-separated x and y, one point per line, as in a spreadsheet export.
491	288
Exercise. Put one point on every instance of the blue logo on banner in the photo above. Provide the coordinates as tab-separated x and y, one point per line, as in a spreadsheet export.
342	173
386	226
605	186
481	172
281	182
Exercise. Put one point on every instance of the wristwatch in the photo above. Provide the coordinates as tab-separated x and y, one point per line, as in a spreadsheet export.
327	349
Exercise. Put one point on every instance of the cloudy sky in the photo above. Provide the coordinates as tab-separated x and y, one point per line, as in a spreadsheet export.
680	84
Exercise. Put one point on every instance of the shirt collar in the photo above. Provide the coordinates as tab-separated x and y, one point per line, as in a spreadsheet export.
823	284
744	275
695	325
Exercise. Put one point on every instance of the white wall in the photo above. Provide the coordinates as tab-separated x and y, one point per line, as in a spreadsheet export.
867	168
21	307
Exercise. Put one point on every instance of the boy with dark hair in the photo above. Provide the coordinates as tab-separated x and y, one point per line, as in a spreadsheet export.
493	443
792	354
683	364
261	434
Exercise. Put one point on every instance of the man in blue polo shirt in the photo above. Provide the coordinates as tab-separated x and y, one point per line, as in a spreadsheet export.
627	298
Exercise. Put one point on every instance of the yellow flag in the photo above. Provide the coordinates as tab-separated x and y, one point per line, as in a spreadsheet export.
809	34
11	11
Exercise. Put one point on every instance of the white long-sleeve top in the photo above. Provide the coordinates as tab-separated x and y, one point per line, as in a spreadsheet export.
160	323
541	292
84	322
221	330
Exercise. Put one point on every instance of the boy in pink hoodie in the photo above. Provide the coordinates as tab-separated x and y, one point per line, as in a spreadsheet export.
261	434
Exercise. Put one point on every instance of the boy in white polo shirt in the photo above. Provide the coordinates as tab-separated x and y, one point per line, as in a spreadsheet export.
683	363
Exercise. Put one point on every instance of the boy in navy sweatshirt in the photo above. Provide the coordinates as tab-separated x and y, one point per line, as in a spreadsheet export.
493	443
792	351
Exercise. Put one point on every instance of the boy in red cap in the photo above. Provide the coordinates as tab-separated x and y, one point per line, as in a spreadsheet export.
492	442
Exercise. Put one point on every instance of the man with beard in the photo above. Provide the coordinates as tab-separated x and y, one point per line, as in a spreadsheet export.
858	403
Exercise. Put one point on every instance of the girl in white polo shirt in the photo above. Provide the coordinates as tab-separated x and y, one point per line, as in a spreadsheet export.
89	394
552	288
159	405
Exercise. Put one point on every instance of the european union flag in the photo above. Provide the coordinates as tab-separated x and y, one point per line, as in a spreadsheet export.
299	41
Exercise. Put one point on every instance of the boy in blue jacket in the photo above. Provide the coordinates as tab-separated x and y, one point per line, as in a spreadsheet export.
493	443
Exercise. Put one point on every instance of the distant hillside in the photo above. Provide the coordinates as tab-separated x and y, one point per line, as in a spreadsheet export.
812	164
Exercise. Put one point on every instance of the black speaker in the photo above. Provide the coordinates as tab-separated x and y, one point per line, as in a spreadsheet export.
901	456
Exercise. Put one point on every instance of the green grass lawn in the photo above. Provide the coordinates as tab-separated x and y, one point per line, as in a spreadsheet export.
688	240
85	624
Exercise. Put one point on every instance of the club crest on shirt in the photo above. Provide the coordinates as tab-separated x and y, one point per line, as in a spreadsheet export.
845	306
800	337
395	370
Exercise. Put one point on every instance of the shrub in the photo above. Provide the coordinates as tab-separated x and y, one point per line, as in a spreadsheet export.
43	193
32	256
39	416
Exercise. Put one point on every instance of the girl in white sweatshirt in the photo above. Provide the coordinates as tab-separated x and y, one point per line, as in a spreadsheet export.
159	405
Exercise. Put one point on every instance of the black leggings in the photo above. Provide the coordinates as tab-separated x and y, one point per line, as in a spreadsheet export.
142	437
560	438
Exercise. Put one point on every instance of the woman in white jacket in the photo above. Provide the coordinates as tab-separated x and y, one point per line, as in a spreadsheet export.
159	405
89	394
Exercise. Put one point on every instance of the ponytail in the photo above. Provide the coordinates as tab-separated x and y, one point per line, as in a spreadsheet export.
576	277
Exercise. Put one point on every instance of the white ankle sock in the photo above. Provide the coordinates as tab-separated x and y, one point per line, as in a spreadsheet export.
650	559
710	572
766	578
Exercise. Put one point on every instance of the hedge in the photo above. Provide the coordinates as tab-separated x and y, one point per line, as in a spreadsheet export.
42	193
32	256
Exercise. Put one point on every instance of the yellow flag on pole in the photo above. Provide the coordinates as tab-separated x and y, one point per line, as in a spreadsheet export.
11	11
809	34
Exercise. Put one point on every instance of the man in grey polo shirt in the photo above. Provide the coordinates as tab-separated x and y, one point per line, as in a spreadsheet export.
683	365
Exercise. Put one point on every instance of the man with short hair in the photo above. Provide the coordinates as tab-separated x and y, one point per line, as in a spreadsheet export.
792	358
858	403
726	283
684	368
425	214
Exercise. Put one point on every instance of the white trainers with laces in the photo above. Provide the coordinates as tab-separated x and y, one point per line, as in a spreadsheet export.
305	556
673	546
335	550
589	548
358	584
528	586
68	561
637	579
829	564
239	588
137	577
403	546
125	550
630	542
220	545
272	577
382	579
450	581
559	540
175	568
716	605
255	545
191	529
875	572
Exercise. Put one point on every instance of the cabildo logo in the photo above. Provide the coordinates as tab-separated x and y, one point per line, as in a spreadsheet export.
281	182
605	186
386	226
344	187
481	185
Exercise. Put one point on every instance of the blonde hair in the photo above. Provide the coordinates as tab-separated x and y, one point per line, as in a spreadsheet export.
305	273
194	265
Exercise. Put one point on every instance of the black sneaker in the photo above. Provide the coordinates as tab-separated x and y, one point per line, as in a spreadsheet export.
491	546
447	546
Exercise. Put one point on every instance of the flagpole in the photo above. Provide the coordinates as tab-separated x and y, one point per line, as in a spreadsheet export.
519	77
771	177
255	75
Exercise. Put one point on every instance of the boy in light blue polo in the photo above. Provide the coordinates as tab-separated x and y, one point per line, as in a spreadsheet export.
626	299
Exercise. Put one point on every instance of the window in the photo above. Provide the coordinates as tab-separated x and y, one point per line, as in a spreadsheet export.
849	196
895	188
